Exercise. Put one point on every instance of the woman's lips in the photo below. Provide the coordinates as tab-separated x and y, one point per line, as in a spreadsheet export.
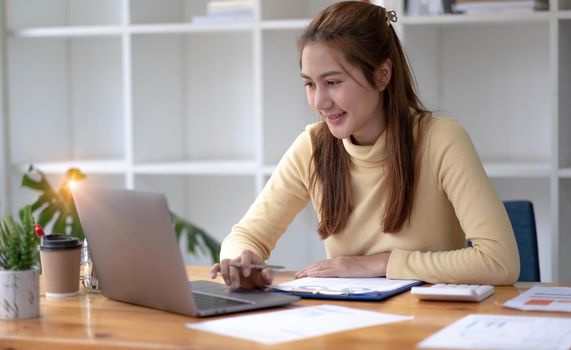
335	118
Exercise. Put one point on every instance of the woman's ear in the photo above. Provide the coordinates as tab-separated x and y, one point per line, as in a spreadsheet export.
383	74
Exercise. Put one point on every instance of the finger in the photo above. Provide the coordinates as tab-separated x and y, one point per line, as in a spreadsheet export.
214	270
235	275
259	279
267	276
246	260
300	271
323	269
247	283
319	270
303	272
224	271
322	273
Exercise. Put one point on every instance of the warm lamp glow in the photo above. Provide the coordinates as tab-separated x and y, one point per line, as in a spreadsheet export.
71	183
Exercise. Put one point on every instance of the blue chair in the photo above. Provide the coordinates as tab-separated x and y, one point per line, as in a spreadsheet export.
522	219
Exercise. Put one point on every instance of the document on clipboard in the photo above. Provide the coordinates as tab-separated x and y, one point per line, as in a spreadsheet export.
369	288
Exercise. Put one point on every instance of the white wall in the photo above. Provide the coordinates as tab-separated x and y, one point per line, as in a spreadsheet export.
3	126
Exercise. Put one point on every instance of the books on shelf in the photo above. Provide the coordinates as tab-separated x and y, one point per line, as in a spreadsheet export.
427	7
438	7
474	6
227	11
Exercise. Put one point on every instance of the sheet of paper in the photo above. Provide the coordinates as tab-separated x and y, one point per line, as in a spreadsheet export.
542	299
503	332
348	285
296	324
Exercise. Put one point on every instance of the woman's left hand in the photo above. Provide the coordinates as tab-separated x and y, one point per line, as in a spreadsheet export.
348	266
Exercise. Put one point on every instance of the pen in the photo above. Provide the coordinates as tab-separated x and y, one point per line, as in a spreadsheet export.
259	266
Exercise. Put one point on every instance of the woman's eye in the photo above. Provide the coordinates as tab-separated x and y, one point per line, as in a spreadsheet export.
333	82
308	84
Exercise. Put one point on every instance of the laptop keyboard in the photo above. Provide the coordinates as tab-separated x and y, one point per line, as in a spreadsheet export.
205	301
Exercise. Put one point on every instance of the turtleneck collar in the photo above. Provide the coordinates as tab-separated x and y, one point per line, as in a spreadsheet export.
367	155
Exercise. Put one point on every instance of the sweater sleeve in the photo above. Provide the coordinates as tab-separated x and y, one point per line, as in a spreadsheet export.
284	195
493	258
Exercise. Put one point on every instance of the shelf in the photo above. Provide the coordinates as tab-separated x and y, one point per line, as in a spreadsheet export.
564	14
291	9
98	31
284	95
268	170
197	168
30	13
67	92
507	18
517	170
201	113
86	166
191	28
437	20
564	173
473	91
163	168
56	32
284	24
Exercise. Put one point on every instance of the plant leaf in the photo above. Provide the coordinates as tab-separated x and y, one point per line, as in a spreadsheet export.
197	237
59	208
52	206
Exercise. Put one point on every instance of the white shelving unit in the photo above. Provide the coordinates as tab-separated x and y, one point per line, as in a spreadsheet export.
138	96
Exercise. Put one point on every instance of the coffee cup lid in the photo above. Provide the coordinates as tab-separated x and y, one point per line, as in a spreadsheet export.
59	242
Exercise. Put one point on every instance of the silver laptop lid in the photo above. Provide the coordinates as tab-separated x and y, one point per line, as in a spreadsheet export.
120	226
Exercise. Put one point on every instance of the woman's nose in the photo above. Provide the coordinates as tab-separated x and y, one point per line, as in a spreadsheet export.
322	99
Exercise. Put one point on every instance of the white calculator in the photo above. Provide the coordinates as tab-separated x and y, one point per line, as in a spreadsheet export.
453	292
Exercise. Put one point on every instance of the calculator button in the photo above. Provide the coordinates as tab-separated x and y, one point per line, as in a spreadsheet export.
453	292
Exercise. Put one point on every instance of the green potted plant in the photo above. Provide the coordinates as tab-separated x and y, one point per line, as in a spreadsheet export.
19	276
56	207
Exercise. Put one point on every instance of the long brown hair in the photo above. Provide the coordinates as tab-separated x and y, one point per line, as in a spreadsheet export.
363	34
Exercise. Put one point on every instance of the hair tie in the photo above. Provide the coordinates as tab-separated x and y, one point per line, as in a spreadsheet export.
391	17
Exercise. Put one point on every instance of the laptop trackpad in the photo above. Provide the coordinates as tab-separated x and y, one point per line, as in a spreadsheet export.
219	289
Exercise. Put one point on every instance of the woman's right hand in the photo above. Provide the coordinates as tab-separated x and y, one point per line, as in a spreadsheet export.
245	276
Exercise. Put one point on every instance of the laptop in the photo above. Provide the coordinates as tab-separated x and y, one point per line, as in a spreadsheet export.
137	259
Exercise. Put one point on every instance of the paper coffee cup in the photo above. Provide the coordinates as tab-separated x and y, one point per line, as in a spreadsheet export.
60	256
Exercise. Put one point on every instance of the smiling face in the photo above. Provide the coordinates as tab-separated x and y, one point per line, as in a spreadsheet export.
340	93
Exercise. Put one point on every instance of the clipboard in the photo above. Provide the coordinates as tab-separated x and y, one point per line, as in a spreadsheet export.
358	290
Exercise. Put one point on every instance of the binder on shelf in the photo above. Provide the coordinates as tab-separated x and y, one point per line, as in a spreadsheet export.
474	6
363	289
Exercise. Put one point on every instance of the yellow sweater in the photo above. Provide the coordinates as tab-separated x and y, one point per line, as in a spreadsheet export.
454	201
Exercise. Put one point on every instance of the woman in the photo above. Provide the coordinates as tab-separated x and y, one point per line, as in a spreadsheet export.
397	190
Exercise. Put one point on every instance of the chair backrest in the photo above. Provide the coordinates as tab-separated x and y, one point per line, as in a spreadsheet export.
522	219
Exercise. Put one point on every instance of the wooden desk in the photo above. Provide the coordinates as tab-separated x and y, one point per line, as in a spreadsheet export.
90	321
